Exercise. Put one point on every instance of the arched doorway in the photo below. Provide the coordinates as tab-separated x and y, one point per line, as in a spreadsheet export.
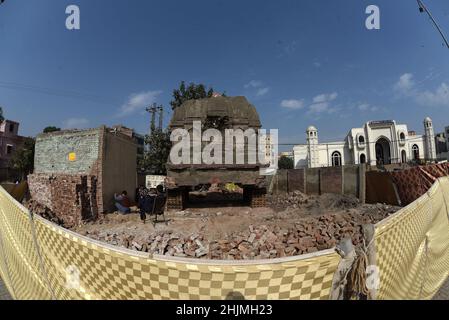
362	158
415	152
336	159
404	156
383	151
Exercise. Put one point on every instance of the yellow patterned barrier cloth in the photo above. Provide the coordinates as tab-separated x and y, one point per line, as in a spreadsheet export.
49	262
413	247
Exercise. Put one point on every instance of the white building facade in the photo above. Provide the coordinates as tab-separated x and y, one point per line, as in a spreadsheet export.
377	142
270	142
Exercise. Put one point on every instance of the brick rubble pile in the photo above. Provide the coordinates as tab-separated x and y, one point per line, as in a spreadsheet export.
43	211
257	242
297	200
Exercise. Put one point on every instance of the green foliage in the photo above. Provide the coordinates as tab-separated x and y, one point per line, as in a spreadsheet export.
191	92
286	163
51	129
23	158
1	115
215	122
156	157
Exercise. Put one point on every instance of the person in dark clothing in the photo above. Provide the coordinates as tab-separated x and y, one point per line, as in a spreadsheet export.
139	194
146	203
160	190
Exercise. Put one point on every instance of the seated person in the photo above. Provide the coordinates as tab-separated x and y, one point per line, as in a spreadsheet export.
123	204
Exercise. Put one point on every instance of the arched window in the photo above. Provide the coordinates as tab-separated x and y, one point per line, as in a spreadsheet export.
404	156
362	158
336	159
361	139
415	152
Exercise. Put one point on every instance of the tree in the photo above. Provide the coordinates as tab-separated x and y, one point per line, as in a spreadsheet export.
23	158
286	163
156	156
1	115
51	129
192	92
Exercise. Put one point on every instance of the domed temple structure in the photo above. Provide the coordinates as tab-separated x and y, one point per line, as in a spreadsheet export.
236	111
219	114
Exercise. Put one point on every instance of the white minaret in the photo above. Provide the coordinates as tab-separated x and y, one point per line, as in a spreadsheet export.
429	136
312	146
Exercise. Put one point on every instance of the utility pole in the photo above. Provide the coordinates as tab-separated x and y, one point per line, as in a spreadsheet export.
161	114
423	8
152	109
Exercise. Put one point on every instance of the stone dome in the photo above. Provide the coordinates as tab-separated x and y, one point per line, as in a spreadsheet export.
311	128
240	113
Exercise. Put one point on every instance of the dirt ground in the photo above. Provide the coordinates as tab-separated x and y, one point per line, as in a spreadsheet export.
238	232
218	222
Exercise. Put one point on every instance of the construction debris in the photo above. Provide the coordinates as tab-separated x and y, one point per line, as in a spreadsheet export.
37	208
265	240
298	199
298	224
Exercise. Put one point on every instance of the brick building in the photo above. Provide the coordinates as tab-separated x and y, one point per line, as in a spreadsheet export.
77	172
9	142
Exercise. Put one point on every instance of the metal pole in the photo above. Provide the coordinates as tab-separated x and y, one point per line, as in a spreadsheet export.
423	8
161	114
152	109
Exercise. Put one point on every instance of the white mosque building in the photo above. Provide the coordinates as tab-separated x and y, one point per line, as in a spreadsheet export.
377	142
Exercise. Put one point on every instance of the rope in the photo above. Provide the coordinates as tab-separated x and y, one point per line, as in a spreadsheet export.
8	274
357	275
41	260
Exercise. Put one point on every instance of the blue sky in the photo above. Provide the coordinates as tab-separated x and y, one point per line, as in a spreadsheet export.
299	62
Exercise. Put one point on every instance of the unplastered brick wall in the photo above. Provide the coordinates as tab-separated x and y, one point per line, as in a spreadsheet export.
66	174
81	171
71	197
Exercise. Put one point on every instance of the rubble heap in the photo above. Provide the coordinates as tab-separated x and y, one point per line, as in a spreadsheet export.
298	199
258	241
37	208
292	200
